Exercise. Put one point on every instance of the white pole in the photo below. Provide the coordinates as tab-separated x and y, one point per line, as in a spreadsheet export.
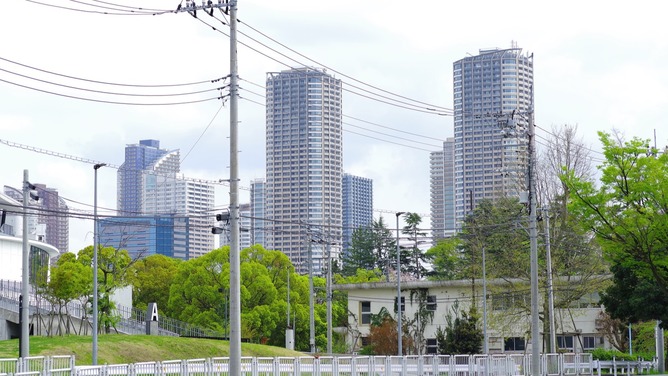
484	304
533	235
399	326
235	279
96	245
310	299
329	294
24	349
550	288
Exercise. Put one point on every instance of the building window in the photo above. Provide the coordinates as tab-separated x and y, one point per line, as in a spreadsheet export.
588	342
403	304
365	309
432	346
514	344
565	342
431	303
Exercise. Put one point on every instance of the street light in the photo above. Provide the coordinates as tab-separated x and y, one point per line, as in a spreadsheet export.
400	351
96	242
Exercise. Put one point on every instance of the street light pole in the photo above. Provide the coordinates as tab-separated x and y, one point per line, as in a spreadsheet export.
24	347
96	244
399	326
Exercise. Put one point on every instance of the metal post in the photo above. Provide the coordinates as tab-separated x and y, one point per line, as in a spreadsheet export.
399	326
24	349
533	237
329	295
235	278
660	348
550	288
311	340
485	344
96	246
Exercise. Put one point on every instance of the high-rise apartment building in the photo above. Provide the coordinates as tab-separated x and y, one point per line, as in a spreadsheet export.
52	224
143	236
257	212
442	191
55	218
149	185
304	165
140	159
492	100
173	196
357	206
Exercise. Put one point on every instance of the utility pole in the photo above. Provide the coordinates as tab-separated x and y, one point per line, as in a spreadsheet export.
533	238
24	349
310	298
235	279
329	290
550	288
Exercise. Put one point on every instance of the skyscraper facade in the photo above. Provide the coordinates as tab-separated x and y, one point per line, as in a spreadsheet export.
442	191
144	236
55	218
357	206
304	165
149	185
173	196
140	159
492	99
257	212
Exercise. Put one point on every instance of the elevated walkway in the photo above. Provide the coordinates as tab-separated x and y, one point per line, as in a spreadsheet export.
47	318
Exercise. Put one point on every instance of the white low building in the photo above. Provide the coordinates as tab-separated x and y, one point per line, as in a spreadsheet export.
508	327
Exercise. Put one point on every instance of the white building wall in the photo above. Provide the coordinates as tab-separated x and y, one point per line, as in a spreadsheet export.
577	322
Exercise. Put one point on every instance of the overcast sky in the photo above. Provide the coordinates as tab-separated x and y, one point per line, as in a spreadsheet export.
600	65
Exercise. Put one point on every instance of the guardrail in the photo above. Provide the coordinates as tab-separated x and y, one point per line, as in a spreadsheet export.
132	320
624	367
427	365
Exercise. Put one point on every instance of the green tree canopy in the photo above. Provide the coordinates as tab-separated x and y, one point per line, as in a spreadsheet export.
151	278
627	214
370	249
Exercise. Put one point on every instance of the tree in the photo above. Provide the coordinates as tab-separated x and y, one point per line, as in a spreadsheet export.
414	260
383	334
114	271
461	335
627	215
359	254
418	323
445	260
69	280
151	277
370	248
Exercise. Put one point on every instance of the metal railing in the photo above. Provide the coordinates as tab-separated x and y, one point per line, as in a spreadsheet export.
132	320
433	365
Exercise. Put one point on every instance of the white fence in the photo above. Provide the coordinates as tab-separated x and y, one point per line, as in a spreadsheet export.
437	365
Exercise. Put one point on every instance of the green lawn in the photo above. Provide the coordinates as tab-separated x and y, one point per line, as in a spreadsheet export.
118	349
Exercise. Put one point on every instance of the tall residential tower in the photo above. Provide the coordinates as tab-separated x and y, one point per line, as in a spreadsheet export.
357	206
492	99
304	165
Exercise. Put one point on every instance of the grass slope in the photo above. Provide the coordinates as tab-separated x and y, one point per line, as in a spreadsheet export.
119	349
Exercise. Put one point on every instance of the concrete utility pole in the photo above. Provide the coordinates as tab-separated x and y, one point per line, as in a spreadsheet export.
550	289
329	291
533	237
24	349
400	350
311	339
235	279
